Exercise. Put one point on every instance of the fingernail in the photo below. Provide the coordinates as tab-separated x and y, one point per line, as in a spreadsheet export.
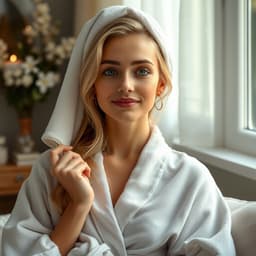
87	173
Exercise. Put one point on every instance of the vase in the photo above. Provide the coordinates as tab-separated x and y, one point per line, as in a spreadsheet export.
25	143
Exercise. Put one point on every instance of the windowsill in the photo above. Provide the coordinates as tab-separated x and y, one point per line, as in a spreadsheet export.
225	159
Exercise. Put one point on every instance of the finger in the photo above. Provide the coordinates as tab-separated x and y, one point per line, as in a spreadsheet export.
61	148
66	158
83	169
55	155
56	152
73	163
86	173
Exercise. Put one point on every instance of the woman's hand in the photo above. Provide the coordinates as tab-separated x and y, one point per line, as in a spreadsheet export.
72	173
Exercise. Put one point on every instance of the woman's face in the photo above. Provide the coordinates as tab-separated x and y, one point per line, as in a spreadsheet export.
128	79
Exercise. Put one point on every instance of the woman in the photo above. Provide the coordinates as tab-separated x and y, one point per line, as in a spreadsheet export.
119	189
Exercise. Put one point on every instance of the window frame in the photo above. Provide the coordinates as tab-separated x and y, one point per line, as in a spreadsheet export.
235	79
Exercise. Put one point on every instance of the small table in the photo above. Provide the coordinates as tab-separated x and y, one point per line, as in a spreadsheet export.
11	178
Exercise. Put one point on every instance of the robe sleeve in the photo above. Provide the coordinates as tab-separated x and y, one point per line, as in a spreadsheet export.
206	227
33	217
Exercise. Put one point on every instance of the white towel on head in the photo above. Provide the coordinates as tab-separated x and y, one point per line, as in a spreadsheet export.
68	112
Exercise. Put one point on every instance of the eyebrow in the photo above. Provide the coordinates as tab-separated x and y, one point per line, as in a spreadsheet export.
135	62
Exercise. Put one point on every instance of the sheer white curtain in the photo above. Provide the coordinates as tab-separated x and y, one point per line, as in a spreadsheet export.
166	12
197	76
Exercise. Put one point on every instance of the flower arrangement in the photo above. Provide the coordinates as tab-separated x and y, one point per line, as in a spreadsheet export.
30	74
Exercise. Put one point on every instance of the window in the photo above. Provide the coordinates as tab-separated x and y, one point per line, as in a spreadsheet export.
240	75
251	59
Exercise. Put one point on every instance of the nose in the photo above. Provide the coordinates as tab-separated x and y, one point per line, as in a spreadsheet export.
126	83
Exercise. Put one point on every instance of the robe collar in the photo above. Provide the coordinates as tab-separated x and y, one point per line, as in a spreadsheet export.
112	220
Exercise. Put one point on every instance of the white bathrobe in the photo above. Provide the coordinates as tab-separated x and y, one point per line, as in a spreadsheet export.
170	206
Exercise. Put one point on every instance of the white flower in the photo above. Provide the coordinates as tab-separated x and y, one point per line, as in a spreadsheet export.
46	81
44	21
17	72
27	80
18	82
30	65
8	78
8	73
41	55
43	8
29	31
50	46
60	52
9	82
50	50
53	78
68	44
63	50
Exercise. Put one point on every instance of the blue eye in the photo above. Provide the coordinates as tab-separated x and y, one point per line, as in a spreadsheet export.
110	72
142	72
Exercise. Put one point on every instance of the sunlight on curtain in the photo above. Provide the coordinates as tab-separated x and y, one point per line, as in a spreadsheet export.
196	77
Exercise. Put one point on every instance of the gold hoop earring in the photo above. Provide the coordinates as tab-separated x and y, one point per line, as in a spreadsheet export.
159	104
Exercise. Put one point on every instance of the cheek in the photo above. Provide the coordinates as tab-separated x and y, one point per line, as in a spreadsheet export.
100	89
103	93
104	86
150	90
150	95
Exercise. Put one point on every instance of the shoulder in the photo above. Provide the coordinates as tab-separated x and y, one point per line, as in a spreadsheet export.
182	165
191	179
175	163
184	161
43	161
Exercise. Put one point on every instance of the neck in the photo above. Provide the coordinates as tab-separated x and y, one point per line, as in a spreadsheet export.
126	140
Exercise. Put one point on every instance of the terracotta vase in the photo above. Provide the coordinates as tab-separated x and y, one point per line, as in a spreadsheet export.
25	125
25	142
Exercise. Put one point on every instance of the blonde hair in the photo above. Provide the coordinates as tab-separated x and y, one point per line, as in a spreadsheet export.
90	138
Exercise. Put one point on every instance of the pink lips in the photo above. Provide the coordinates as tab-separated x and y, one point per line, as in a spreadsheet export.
125	102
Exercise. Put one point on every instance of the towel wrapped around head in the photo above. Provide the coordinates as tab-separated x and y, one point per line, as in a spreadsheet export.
68	112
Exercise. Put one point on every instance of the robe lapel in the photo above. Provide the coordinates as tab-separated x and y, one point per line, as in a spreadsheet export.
143	180
102	210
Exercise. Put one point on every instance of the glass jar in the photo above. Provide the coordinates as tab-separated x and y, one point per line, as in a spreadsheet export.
3	150
25	143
